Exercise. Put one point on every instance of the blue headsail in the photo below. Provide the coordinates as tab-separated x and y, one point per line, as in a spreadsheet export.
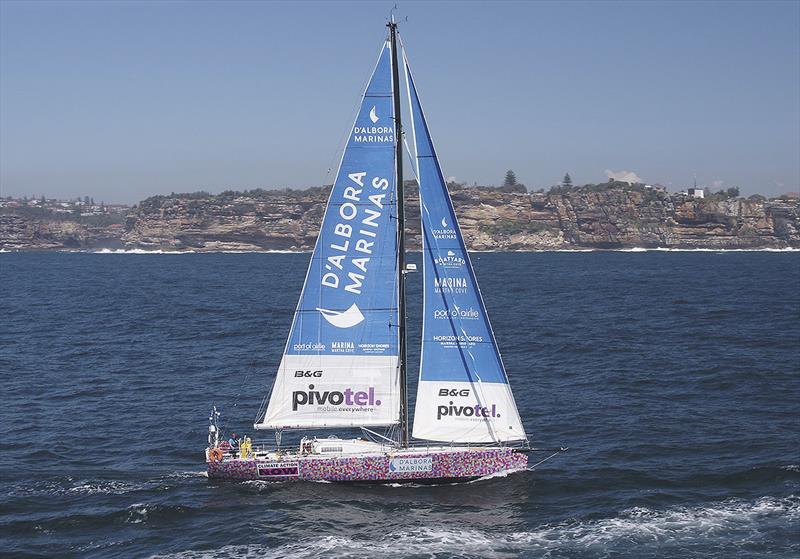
463	393
340	363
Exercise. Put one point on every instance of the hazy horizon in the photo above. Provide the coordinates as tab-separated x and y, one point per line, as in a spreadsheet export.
120	101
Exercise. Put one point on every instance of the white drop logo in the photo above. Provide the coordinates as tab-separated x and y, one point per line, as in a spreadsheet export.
444	223
372	116
343	319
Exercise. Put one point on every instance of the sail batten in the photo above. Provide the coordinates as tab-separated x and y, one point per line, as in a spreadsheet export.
340	364
463	393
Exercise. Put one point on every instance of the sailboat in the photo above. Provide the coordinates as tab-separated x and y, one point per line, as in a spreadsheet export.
344	364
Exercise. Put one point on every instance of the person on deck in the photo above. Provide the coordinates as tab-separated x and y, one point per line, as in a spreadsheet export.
234	443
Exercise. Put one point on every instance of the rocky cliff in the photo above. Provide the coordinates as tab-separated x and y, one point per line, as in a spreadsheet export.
23	232
595	217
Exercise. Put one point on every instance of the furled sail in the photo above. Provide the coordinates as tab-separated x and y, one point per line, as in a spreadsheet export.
340	365
463	393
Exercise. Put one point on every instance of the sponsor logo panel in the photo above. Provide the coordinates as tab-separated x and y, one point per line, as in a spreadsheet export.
411	465
343	347
353	400
457	312
309	346
449	285
308	374
445	392
343	319
352	230
277	469
373	134
445	232
453	341
449	260
374	348
468	412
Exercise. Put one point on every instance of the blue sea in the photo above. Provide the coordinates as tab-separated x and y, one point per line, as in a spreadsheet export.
674	378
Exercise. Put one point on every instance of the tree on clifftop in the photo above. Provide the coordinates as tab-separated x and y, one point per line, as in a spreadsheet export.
511	178
566	182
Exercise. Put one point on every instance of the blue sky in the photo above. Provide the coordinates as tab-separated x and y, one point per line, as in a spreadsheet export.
121	100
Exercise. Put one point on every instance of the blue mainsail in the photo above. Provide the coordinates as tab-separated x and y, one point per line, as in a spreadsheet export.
339	367
463	393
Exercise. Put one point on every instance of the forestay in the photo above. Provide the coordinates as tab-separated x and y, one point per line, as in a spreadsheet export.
340	365
463	393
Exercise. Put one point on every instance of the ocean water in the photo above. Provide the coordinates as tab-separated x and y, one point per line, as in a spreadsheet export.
674	378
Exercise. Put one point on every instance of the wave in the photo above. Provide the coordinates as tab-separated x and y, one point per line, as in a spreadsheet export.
137	251
640	249
191	474
70	486
106	488
412	485
264	251
137	513
52	489
722	527
665	249
495	475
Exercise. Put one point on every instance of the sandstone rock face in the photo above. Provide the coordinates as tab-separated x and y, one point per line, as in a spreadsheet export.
22	233
586	218
283	221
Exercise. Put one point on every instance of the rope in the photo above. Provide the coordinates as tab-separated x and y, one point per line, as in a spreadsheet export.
545	460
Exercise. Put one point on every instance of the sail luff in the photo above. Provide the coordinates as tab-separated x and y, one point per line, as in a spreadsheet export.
463	393
339	366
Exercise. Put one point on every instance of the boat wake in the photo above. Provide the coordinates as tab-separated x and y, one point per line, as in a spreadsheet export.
721	528
69	486
504	473
412	485
84	487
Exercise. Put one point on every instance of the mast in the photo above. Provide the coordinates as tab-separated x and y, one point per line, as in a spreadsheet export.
401	236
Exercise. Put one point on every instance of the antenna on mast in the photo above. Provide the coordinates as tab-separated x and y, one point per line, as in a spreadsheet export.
391	15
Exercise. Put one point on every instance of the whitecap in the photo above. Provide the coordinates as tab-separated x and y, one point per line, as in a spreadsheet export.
137	513
106	488
503	473
138	251
191	474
